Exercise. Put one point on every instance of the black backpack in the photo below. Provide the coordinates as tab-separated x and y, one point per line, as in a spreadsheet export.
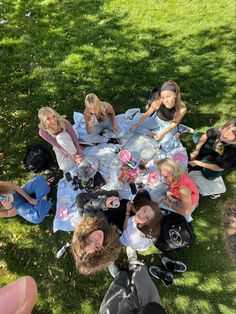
36	157
175	233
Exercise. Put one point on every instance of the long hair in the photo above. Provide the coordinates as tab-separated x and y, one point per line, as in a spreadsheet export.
176	171
92	100
152	228
87	263
175	87
4	190
232	124
42	114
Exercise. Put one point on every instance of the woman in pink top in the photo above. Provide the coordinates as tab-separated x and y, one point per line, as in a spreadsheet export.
183	194
58	132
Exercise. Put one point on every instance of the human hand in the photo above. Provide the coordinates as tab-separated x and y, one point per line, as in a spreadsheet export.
115	127
170	197
159	137
134	127
194	154
79	159
110	200
129	207
151	134
18	296
167	201
32	201
7	202
193	163
90	124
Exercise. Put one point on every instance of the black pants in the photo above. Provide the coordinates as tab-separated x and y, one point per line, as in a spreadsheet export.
143	292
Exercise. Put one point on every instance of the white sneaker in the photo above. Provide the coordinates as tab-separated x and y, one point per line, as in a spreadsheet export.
113	270
214	196
132	258
184	129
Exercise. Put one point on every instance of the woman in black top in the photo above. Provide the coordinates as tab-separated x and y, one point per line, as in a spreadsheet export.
168	110
215	150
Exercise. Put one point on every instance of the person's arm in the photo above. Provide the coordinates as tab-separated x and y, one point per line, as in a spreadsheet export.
129	206
23	193
8	213
111	112
88	122
69	128
154	106
186	202
177	119
84	197
200	143
18	189
51	140
199	163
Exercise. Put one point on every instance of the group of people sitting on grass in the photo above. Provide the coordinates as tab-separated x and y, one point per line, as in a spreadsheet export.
109	222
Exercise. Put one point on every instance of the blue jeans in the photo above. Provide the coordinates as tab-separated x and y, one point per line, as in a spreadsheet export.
36	188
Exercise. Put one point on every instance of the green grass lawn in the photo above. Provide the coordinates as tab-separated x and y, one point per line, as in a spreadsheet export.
119	49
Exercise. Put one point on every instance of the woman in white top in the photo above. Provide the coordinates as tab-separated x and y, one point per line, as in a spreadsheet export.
142	229
58	132
100	116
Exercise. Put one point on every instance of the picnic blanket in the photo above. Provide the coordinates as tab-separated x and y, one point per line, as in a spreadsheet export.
111	167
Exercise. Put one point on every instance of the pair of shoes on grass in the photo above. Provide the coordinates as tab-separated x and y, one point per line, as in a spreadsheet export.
172	267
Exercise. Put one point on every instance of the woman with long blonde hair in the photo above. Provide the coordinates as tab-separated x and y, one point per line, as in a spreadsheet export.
163	116
182	196
58	132
100	116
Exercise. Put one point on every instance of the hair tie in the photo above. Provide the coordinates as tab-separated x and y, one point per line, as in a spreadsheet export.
168	86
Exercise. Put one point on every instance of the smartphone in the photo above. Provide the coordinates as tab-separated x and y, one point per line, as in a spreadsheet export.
68	176
2	197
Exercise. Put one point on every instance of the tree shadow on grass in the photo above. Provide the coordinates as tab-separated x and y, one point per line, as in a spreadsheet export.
31	250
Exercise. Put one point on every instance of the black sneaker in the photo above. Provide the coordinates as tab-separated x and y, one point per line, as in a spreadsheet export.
164	276
173	266
113	140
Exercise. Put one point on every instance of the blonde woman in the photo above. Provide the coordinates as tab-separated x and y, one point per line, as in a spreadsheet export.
58	132
28	201
163	116
183	194
100	116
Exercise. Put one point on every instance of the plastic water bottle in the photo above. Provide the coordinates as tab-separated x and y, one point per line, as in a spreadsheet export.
62	250
94	119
